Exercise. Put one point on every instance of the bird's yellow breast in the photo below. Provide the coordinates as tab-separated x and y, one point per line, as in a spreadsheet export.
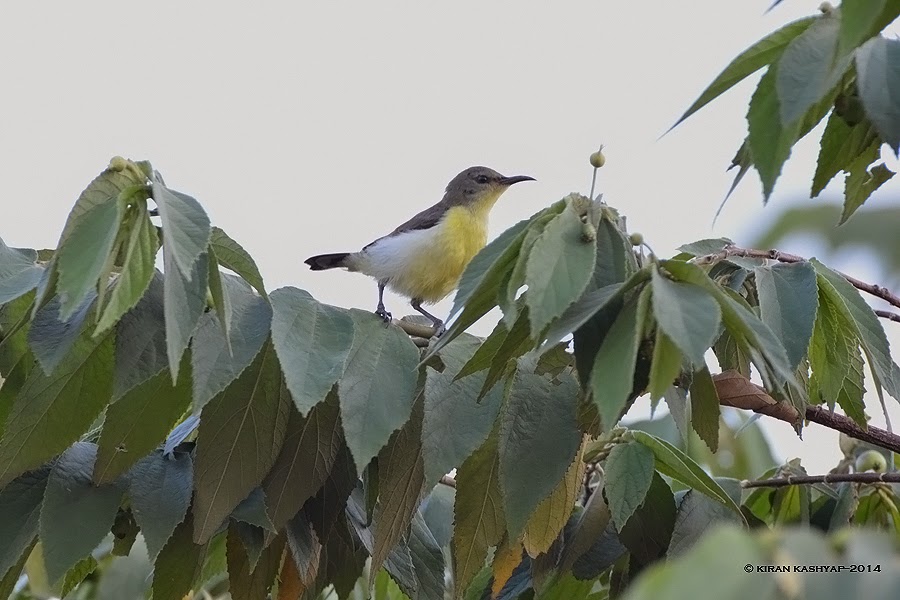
457	238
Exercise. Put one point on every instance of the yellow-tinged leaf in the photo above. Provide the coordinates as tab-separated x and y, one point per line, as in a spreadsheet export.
289	585
553	512
506	559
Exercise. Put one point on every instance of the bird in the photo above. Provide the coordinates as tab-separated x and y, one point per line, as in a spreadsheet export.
424	258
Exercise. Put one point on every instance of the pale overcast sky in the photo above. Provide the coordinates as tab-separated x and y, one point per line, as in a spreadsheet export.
316	127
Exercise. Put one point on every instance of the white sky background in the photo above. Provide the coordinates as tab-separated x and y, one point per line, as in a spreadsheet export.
307	128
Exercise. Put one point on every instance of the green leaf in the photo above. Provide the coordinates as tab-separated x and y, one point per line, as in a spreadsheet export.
178	564
313	341
455	424
232	255
559	268
809	68
50	413
698	515
705	246
241	434
427	559
858	19
77	574
136	271
762	53
705	408
676	464
871	334
579	313
861	182
378	386
310	449
483	356
141	341
185	301
10	580
304	548
477	290
585	531
479	522
840	146
215	363
665	367
186	230
508	292
648	532
160	489
218	296
245	581
687	314
138	422
20	510
770	142
551	515
514	345
878	81
612	376
19	272
89	234
787	304
628	474
538	439
76	514
401	479
51	339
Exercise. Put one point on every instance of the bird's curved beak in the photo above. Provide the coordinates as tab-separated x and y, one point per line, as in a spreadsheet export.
507	181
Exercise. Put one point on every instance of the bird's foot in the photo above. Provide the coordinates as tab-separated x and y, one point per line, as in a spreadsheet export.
439	328
385	315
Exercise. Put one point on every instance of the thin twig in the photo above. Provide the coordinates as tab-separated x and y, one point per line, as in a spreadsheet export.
886	314
448	481
830	478
872	435
870	288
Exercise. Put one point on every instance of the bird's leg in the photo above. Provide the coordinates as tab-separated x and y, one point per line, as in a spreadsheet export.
380	310
436	323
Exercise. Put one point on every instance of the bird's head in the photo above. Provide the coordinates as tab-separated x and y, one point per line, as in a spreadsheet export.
480	185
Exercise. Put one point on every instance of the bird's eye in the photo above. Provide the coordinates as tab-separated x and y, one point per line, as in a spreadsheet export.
482	179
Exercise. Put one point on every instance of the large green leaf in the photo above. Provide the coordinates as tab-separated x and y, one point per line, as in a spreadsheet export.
770	141
160	489
538	439
698	515
787	304
138	422
378	386
20	510
612	376
871	334
19	272
858	19
509	290
49	413
705	409
809	68
76	514
479	522
861	182
560	265
840	146
455	424
232	255
648	532
241	433
665	366
218	360
687	314
878	81
186	230
310	449
760	54
50	338
628	473
89	234
676	464
401	479
246	580
141	340
185	301
313	341
178	564
581	312
137	270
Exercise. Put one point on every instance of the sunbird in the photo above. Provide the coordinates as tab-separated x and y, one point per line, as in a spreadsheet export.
424	257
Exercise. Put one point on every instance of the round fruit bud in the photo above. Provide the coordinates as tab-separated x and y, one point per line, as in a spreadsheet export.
636	239
117	163
826	8
597	159
871	460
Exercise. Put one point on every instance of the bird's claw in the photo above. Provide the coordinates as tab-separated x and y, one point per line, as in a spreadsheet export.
385	315
439	329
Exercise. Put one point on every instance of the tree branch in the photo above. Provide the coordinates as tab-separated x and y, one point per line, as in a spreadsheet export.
830	478
448	481
415	330
870	288
886	314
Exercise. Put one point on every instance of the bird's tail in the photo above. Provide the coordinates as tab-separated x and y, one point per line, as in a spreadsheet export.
327	261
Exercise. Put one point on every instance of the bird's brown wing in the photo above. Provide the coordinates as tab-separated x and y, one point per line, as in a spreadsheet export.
426	219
